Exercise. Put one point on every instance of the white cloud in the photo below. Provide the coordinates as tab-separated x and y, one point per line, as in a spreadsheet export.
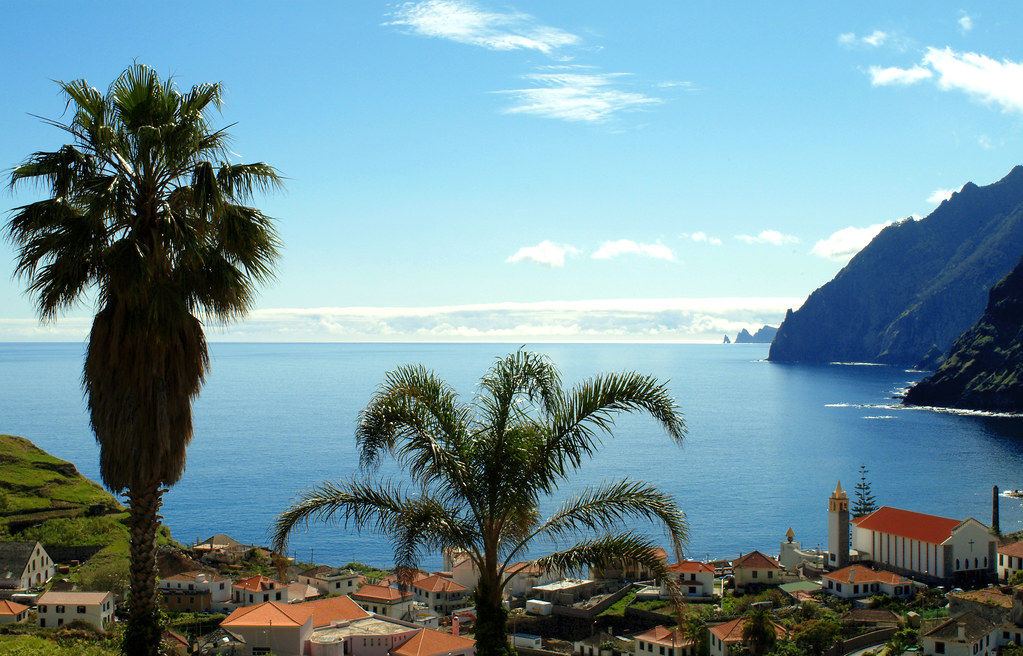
875	39
965	22
464	22
843	244
883	76
701	237
988	80
773	237
610	249
985	142
681	84
663	319
546	252
588	97
939	195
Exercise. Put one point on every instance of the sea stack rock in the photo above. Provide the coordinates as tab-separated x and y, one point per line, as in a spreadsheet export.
727	341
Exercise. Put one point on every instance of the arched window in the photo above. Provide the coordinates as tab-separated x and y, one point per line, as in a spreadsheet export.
976	563
957	563
985	562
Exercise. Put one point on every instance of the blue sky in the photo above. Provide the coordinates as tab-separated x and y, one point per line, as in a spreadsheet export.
569	170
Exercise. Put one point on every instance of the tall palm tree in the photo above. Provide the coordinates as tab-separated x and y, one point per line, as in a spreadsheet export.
480	469
146	215
759	633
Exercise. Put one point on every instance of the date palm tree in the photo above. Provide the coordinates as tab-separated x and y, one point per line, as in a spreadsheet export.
758	632
480	469
146	216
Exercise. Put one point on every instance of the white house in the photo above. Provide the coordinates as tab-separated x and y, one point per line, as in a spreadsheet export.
55	609
724	636
219	587
384	600
24	565
694	579
12	613
967	634
258	589
661	641
440	593
756	568
461	567
1010	560
927	547
331	580
524	577
857	581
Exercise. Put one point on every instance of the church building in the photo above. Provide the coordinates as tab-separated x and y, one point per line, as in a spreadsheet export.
923	547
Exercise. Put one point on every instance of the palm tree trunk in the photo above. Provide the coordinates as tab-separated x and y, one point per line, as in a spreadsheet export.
144	630
491	620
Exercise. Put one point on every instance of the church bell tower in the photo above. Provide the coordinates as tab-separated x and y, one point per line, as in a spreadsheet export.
838	529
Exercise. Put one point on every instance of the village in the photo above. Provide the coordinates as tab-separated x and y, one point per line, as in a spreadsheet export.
891	581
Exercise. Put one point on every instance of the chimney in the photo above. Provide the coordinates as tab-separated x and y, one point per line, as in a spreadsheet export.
852	575
961	631
994	511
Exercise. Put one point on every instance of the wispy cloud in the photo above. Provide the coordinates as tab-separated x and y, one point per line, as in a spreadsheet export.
888	75
773	237
572	96
965	22
668	319
986	143
546	253
985	79
939	195
875	39
679	84
843	244
465	22
611	249
701	237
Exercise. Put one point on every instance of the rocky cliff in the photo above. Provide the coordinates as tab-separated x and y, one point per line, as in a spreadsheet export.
915	287
764	335
984	369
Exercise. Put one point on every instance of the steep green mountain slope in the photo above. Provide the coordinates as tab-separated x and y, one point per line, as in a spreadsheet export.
44	498
917	285
984	370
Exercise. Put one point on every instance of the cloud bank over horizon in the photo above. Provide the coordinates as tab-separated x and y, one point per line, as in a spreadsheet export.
655	320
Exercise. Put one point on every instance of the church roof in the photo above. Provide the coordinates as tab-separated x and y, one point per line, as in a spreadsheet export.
908	524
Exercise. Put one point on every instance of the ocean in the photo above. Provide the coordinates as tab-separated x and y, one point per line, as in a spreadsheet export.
767	442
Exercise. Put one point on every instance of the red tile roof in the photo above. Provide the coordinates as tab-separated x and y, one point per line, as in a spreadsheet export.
334	609
437	583
661	635
756	560
381	593
691	566
193	576
732	631
908	524
863	574
433	643
1012	549
269	612
10	608
523	567
257	583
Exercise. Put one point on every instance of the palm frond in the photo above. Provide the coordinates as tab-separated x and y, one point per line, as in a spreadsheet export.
605	551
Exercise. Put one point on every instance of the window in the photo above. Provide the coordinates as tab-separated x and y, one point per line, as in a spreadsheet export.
662	651
755	572
939	647
42	622
80	610
856	589
1001	559
59	609
976	564
337	584
42	609
278	597
221	585
838	586
60	621
957	563
770	574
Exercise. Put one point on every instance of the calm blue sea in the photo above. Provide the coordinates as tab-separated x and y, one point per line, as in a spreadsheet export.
767	442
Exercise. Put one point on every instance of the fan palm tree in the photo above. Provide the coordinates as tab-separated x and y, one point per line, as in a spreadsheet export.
481	468
146	216
759	633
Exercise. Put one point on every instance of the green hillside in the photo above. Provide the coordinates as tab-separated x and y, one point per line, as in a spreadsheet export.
45	498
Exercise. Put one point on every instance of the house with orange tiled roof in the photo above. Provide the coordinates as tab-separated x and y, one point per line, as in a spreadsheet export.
12	613
926	547
858	581
384	600
1010	560
662	641
285	629
55	609
428	642
725	636
694	579
258	589
756	568
441	594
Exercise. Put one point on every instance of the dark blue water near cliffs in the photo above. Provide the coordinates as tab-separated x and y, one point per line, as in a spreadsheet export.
767	441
